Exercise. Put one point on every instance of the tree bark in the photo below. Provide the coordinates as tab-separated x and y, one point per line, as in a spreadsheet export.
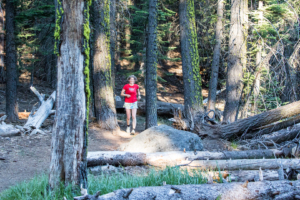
245	164
235	191
161	159
68	157
113	40
103	89
258	61
151	66
2	43
243	126
213	83
236	60
282	137
11	63
190	58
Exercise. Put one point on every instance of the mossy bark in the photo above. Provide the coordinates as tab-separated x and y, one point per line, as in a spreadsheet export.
11	63
103	89
68	158
190	57
151	66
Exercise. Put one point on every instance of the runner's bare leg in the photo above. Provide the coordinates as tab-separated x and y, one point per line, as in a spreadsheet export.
134	118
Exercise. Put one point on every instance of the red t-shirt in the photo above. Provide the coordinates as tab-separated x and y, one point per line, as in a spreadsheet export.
132	90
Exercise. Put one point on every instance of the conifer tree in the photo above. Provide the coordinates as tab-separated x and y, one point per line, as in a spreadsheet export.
236	59
190	57
151	66
11	63
103	89
213	82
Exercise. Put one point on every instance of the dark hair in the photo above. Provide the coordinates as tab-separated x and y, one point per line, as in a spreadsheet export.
132	76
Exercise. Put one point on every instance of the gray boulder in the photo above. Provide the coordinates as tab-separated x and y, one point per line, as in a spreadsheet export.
163	138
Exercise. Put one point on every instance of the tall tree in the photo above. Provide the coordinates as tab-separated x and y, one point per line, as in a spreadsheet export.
151	66
69	139
236	58
103	89
190	57
2	42
258	60
113	40
11	63
213	83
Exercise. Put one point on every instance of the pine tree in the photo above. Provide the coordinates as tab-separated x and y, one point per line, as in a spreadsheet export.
236	59
190	57
103	88
213	83
151	66
11	63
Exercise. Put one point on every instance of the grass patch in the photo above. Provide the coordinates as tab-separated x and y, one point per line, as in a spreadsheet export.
37	187
234	145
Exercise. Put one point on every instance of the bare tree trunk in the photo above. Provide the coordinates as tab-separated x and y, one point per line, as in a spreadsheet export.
244	126
11	63
69	139
2	42
151	64
236	60
213	83
190	57
103	89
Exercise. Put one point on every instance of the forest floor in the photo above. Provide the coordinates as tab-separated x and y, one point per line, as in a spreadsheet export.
28	156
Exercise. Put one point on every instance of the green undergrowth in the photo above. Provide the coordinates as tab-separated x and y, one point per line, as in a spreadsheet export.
37	187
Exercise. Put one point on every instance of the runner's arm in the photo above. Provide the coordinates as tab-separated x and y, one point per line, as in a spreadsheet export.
123	94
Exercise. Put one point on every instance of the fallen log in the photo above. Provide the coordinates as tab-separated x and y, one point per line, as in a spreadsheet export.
172	158
239	191
273	127
285	135
244	126
8	130
163	108
245	164
36	119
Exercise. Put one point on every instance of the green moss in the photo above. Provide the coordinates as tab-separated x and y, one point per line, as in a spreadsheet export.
86	34
194	51
59	13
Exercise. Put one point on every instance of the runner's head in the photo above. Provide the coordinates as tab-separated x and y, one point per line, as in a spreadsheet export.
132	79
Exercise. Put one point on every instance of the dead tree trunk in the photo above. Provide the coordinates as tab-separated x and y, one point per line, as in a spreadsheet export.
68	158
172	158
234	191
243	126
36	119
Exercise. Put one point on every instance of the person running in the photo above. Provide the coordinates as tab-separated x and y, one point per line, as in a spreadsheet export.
130	92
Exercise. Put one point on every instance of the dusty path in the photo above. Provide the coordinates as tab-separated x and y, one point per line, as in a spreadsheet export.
26	157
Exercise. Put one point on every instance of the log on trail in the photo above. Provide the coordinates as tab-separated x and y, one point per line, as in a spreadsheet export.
172	158
245	164
234	191
163	108
244	126
36	119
